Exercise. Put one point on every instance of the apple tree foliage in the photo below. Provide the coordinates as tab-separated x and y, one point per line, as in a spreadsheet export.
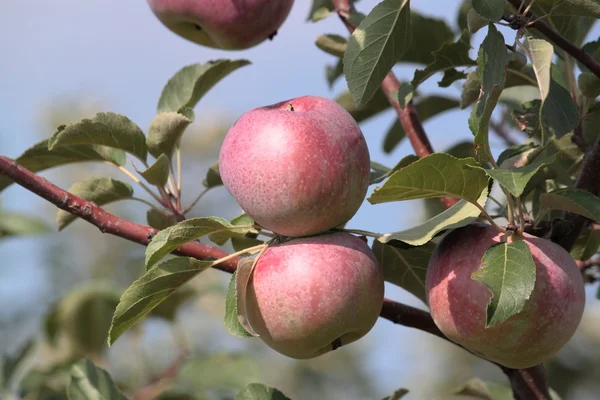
521	85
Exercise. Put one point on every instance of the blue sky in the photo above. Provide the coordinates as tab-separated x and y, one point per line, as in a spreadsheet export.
119	53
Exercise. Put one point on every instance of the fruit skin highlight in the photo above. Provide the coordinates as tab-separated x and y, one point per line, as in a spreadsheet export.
299	167
458	303
224	24
309	296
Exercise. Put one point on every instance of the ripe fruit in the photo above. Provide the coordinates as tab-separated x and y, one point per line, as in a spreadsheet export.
458	303
309	296
299	167
225	24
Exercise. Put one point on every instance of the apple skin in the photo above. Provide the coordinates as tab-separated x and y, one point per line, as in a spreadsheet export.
458	303
224	24
300	172
308	296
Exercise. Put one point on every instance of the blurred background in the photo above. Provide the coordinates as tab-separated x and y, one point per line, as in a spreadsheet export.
65	60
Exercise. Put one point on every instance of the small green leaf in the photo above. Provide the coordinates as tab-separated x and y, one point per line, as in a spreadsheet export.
471	90
320	9
165	131
259	391
158	219
332	44
213	177
449	56
582	8
89	382
427	108
508	271
587	244
515	179
574	201
105	129
333	72
157	173
475	21
589	84
489	9
376	105
492	62
38	158
429	35
187	87
436	175
98	190
12	224
380	39
405	94
185	231
151	289
405	267
240	243
450	76
232	321
460	214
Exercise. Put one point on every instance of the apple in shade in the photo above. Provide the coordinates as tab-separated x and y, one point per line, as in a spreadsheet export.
458	303
299	167
224	24
309	296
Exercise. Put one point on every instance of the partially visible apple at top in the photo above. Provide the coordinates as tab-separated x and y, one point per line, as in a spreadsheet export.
299	167
224	24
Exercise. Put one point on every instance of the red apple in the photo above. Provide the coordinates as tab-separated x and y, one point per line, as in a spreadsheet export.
309	296
225	24
299	167
458	303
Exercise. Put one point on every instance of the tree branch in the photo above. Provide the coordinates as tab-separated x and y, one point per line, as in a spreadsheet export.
559	40
408	116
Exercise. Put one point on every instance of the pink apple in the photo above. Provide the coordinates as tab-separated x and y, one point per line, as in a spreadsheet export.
309	296
458	303
299	167
225	24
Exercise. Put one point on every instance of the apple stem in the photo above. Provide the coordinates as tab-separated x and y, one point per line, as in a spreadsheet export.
360	232
488	217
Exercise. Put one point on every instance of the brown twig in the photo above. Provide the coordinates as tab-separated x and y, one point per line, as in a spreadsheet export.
499	129
559	40
161	382
408	116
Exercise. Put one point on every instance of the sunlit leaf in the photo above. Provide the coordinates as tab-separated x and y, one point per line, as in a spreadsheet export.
332	44
509	273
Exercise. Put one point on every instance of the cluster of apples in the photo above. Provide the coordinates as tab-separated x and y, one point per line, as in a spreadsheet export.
300	168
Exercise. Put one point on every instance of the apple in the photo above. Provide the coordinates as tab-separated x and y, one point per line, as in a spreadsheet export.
458	303
299	167
224	24
309	296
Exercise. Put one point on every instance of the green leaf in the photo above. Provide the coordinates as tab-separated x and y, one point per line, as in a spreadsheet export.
475	21
405	94
151	289
157	173
187	87
333	72
589	84
591	124
429	35
492	62
232	322
332	44
165	130
185	231
259	391
38	158
427	108
158	219
213	177
240	243
89	382
471	90
449	56
10	363
574	201
593	50
398	394
436	175
12	224
99	190
460	214
489	9
105	129
380	39
450	76
509	273
376	105
320	9
405	267
587	244
582	8
558	113
515	179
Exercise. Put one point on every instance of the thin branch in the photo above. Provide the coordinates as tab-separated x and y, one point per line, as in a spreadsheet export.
408	116
559	40
500	130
